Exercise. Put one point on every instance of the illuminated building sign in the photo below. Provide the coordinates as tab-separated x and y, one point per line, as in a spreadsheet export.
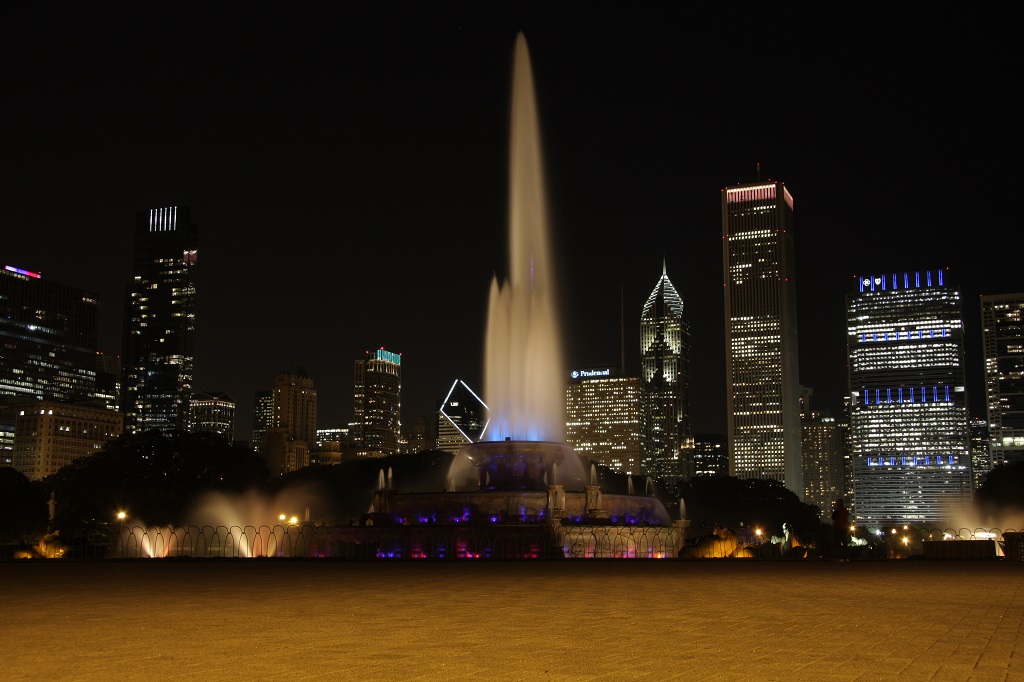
603	373
19	271
904	280
388	356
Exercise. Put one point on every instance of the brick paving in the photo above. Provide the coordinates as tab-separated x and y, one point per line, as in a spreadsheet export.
564	620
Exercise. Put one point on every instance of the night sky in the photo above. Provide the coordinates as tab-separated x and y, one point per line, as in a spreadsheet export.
347	168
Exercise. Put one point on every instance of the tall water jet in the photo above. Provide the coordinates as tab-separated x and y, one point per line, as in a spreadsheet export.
523	367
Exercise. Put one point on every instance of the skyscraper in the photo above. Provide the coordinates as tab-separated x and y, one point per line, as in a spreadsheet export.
908	413
762	374
291	435
48	336
1002	340
823	461
378	403
604	418
160	321
665	364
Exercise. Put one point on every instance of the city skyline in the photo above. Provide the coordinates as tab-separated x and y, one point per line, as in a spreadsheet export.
350	185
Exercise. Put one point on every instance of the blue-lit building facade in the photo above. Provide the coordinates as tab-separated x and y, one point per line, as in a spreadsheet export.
160	322
1002	338
604	418
665	371
762	370
908	410
377	402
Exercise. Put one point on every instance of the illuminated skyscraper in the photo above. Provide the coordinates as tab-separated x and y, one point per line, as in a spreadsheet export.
160	322
823	462
665	364
1002	340
378	403
908	413
604	418
47	339
461	418
761	334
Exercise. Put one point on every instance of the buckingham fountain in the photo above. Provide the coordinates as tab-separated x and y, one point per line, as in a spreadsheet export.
525	490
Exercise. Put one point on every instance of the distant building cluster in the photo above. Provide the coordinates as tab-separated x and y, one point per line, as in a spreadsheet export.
903	449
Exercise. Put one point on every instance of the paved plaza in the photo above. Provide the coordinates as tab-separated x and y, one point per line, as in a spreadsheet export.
558	620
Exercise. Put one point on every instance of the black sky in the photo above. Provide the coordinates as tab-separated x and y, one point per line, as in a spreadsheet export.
346	165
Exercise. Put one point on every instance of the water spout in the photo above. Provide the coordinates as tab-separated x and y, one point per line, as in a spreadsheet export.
524	367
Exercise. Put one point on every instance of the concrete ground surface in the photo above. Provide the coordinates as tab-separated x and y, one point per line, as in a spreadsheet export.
726	619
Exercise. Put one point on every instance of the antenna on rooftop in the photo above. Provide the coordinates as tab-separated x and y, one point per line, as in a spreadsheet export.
759	171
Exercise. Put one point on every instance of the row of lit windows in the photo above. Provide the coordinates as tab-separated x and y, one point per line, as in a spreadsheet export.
907	335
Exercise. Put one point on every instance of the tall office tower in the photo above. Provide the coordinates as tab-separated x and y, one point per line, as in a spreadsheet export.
710	454
1002	340
51	434
665	364
160	322
461	419
378	403
48	339
262	418
294	400
604	418
823	461
290	436
762	375
908	413
213	412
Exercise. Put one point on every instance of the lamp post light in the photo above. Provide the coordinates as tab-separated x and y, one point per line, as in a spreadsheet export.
121	536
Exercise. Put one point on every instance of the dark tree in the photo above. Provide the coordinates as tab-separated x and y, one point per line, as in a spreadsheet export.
1003	488
23	511
754	502
152	477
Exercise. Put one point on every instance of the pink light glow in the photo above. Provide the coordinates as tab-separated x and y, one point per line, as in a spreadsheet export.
11	268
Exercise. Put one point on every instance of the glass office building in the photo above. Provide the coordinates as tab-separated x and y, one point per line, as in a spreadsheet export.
604	418
908	411
378	403
160	322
